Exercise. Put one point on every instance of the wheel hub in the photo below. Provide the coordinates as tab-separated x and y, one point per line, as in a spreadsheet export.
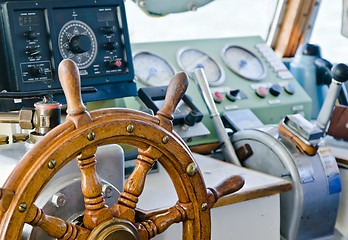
114	229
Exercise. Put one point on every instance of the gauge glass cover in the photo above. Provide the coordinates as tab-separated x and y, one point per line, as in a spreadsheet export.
191	58
151	69
243	62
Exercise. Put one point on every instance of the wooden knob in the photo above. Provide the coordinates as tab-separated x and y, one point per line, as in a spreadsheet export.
69	78
227	186
176	90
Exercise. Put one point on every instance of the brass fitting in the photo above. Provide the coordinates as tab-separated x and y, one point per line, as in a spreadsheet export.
25	118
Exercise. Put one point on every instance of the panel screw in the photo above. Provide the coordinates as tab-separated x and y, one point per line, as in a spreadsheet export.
91	136
130	128
191	169
52	164
22	207
165	139
204	206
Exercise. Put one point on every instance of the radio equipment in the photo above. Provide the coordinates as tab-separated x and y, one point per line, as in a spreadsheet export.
37	35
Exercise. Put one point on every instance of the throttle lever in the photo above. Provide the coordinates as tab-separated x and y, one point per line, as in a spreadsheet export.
305	134
228	150
340	75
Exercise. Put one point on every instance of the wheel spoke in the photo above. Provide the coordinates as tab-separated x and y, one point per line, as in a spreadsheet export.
55	227
159	223
134	186
142	215
96	210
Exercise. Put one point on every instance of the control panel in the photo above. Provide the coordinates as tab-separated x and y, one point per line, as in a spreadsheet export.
38	35
243	73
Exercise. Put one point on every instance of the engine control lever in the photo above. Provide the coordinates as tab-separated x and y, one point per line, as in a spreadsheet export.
307	135
228	150
340	75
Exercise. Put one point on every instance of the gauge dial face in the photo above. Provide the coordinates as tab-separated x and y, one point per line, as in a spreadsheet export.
191	58
76	41
152	69
243	62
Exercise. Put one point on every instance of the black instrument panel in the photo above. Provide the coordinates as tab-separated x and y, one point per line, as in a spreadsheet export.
36	36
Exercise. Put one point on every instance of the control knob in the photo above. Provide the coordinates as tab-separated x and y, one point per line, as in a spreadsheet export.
191	118
31	35
37	71
79	44
232	95
275	90
110	45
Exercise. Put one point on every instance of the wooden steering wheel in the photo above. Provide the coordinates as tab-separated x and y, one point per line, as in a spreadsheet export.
78	137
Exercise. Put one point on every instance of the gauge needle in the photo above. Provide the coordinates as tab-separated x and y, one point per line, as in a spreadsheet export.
199	60
242	64
152	73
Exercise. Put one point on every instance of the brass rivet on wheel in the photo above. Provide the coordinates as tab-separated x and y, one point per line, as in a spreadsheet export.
191	169
51	164
130	128
22	207
165	139
91	136
204	206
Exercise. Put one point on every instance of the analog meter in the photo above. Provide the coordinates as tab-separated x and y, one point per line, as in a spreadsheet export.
243	62
191	58
152	69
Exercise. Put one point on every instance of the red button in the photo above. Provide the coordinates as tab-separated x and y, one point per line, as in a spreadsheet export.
218	97
261	92
118	63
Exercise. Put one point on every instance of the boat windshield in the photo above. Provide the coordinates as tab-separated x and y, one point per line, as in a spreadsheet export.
218	19
327	32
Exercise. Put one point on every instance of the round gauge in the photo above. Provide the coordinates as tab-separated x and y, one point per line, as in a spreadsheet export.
152	69
243	62
191	58
77	41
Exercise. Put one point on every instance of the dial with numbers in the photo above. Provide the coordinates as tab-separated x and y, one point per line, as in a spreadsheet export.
76	41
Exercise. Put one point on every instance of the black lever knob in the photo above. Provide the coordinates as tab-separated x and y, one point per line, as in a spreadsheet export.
340	72
323	69
80	44
191	118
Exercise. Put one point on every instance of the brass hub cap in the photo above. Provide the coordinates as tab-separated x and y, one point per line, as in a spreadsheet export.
114	229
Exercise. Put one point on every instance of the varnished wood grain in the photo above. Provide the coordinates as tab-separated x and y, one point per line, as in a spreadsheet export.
175	91
226	187
6	198
294	27
154	138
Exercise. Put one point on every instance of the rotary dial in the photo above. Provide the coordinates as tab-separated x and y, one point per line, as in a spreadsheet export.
77	42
